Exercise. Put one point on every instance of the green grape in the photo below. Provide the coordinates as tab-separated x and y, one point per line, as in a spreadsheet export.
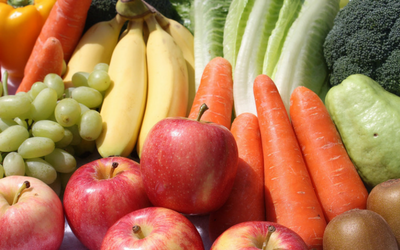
61	160
68	92
6	122
40	169
22	122
13	164
90	97
84	108
12	137
44	104
76	138
1	171
12	106
80	79
67	112
55	82
90	125
37	87
25	94
66	140
99	80
34	147
49	129
101	66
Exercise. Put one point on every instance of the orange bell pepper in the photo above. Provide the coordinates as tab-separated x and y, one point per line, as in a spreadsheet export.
20	25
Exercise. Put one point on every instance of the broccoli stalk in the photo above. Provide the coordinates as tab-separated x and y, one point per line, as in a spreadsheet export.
365	39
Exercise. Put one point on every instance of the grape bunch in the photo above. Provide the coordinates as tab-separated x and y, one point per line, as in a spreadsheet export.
42	130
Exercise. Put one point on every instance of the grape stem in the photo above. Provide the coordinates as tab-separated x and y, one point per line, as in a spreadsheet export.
5	83
29	124
24	186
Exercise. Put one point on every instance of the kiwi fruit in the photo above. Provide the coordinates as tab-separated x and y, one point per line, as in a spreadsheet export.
384	199
359	229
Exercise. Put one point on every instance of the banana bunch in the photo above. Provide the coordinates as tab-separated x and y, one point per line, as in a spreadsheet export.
152	73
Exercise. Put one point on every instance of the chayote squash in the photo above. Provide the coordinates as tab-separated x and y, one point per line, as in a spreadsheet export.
368	120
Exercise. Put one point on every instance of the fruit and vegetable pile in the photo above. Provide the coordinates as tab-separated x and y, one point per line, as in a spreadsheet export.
277	122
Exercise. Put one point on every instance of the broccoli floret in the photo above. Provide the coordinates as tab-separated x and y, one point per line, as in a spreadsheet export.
365	39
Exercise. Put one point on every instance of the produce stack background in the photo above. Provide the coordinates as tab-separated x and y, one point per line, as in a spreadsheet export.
227	112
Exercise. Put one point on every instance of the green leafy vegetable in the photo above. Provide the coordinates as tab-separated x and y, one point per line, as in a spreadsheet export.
302	60
208	22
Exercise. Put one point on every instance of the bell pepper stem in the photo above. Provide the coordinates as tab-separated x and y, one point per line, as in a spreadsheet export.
20	3
5	83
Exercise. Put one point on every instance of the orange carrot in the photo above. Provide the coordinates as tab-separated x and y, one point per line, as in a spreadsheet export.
50	60
336	181
66	22
246	201
215	90
290	198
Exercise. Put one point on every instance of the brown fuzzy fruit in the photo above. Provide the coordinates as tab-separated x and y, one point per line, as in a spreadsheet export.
359	229
384	199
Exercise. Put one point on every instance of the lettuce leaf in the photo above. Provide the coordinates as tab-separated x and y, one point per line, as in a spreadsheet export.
208	17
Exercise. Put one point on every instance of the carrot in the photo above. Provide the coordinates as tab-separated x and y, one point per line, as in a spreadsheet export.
215	90
335	179
65	22
50	60
290	198
246	201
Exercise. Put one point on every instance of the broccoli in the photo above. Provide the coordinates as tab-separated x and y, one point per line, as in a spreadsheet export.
365	39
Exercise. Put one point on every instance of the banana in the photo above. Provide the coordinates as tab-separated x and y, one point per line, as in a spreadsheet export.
185	40
168	80
95	46
124	102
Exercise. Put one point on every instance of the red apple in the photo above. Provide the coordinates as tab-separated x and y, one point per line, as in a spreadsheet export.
101	192
189	165
31	214
153	228
254	235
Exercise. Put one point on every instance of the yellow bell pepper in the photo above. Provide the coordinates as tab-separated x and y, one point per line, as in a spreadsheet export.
20	24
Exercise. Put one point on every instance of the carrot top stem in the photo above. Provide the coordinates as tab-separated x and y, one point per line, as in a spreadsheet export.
24	185
133	9
202	109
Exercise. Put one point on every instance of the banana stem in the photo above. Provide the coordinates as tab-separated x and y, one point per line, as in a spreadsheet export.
134	9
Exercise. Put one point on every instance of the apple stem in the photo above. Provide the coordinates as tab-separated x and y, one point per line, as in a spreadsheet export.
114	165
271	229
24	185
202	109
138	231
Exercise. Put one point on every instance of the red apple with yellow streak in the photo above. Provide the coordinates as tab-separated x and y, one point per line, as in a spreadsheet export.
253	235
189	165
31	214
101	192
153	228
